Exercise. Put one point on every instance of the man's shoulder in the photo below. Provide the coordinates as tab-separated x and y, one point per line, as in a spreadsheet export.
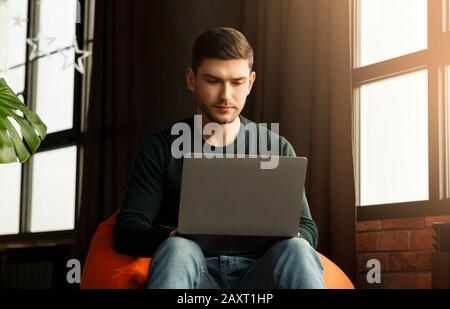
162	138
272	132
270	129
166	132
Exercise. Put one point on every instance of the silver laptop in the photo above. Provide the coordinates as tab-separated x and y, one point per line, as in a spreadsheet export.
231	205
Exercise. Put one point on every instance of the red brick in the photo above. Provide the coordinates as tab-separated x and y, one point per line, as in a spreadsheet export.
410	261
424	280
405	223
368	225
399	280
422	239
429	220
393	240
366	242
364	257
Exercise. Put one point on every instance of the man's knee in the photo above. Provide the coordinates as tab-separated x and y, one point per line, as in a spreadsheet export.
296	252
178	263
181	245
294	246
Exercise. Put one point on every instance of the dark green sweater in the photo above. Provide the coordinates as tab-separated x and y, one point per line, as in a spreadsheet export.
150	207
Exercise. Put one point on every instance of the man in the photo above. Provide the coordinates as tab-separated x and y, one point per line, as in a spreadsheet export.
221	78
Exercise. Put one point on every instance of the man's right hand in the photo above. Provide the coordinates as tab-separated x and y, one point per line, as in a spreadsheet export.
173	233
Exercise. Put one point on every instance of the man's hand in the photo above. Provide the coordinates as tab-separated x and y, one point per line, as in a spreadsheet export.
173	233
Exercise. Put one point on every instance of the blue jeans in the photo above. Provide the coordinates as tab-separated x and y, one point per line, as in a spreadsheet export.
179	263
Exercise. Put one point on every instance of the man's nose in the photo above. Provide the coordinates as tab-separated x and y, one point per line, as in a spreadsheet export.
226	92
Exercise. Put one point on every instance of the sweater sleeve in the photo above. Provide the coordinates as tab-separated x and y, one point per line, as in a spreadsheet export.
308	229
134	232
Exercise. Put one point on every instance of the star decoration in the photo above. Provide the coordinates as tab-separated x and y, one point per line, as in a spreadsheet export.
78	64
18	20
34	47
50	40
33	42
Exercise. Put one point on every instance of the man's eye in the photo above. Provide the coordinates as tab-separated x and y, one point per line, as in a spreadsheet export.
237	83
212	81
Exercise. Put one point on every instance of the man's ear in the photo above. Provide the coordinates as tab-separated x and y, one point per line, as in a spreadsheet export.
251	81
190	79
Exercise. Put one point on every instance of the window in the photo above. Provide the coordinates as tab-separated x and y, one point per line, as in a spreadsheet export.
393	138
389	29
59	190
400	78
10	198
45	58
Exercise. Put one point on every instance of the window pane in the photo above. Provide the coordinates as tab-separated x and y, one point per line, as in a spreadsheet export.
53	193
57	20
55	77
55	86
9	198
391	28
13	35
394	140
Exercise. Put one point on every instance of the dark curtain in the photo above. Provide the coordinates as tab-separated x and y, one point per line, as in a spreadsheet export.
110	139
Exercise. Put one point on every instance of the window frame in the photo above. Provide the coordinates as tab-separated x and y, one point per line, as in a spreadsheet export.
436	61
59	139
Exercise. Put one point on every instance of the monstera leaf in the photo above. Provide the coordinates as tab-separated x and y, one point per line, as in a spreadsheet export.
12	146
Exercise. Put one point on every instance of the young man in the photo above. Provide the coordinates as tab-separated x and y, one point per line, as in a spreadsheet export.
221	77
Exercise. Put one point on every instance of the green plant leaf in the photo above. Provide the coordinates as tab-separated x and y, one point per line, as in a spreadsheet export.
12	147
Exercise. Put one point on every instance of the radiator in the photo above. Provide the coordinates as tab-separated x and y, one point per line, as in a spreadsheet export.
34	268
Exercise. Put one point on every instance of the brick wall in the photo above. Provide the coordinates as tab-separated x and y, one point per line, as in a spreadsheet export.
403	247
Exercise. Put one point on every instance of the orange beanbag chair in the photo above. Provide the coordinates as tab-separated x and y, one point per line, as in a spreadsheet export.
106	269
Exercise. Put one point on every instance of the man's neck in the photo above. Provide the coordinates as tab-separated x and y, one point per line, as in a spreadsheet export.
230	132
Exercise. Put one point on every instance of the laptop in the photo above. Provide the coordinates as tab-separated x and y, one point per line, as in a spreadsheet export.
232	206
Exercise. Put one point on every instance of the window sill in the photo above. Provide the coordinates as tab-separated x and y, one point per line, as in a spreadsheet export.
403	210
38	239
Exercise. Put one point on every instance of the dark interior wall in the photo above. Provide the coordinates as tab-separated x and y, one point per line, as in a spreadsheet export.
165	31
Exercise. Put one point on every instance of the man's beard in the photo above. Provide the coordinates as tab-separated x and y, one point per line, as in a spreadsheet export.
212	117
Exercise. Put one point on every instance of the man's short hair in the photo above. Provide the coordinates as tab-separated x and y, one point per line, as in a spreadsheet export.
221	43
